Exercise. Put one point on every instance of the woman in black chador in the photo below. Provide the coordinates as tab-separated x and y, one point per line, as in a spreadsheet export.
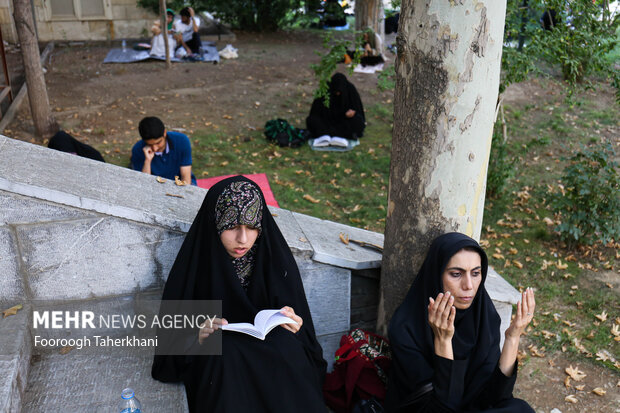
235	252
344	118
445	337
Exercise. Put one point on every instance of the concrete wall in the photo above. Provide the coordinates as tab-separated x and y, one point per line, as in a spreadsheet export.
126	20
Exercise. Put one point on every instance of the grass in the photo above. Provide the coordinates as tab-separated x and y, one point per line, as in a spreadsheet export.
526	251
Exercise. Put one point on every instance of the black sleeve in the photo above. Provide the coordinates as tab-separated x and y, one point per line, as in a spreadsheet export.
499	387
447	388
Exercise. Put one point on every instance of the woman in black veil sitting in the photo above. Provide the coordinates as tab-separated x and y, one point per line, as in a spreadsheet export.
445	337
343	117
235	252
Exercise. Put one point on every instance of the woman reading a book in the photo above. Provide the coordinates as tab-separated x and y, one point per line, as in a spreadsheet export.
234	252
343	118
445	337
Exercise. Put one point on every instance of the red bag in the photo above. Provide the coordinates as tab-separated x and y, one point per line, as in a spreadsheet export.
360	372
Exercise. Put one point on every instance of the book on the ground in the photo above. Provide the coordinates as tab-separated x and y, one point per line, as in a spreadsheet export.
327	140
264	322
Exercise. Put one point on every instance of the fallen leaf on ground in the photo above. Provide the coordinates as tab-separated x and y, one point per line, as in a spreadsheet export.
599	391
11	311
548	221
66	349
580	387
160	180
175	195
602	316
179	182
311	199
571	399
567	382
615	330
536	352
575	373
517	264
344	238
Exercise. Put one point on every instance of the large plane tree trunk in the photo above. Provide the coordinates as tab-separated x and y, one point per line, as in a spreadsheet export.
44	122
447	80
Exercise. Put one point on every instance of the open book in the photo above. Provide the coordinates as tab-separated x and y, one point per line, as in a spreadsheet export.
327	140
264	322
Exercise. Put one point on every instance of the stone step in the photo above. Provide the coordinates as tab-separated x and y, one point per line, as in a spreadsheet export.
75	382
15	351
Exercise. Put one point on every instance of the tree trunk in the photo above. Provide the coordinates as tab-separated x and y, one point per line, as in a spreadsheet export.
44	121
164	23
447	82
369	13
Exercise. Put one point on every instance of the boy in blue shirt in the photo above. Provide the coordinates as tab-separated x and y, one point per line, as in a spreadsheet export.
162	153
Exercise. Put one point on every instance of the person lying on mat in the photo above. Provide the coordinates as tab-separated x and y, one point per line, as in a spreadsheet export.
342	119
161	152
186	31
445	337
235	252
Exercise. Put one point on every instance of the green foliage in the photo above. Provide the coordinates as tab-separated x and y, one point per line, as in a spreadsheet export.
323	71
589	204
153	5
579	44
500	168
253	15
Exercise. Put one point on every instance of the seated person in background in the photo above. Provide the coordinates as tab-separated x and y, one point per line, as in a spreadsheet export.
162	153
64	142
158	48
186	31
235	252
370	48
344	118
445	337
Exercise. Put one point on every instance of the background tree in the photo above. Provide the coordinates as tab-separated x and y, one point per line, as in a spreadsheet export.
44	122
447	80
369	13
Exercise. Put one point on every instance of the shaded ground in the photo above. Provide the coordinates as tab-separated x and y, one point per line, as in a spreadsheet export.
102	105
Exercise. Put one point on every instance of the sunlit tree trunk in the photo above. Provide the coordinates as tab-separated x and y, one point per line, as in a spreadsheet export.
447	80
44	122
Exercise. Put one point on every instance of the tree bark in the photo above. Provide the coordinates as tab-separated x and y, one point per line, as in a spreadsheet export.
44	122
369	13
164	23
447	82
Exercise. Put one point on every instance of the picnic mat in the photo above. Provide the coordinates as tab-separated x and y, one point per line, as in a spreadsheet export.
352	144
260	179
131	56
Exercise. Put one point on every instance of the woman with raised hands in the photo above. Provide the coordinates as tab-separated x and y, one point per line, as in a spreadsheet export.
445	337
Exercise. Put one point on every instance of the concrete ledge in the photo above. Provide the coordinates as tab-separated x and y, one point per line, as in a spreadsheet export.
15	352
499	289
328	249
94	186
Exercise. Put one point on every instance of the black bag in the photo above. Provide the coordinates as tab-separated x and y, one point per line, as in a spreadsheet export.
281	132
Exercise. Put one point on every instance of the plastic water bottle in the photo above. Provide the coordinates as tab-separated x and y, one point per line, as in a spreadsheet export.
129	403
124	45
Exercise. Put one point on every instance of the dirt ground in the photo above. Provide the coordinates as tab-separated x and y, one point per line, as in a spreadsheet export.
103	103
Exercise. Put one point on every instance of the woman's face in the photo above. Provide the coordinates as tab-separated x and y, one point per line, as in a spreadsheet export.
462	277
237	241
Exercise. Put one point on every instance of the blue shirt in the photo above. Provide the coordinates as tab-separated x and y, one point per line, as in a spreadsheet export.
178	153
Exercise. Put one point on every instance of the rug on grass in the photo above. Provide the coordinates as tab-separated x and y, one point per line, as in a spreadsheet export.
131	56
260	179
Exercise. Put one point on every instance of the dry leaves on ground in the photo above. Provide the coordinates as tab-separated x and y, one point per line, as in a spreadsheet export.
575	373
311	199
11	311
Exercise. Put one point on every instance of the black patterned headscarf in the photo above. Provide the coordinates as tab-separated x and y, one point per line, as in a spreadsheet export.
240	204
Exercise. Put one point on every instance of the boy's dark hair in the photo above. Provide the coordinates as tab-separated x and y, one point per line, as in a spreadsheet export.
151	128
185	12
